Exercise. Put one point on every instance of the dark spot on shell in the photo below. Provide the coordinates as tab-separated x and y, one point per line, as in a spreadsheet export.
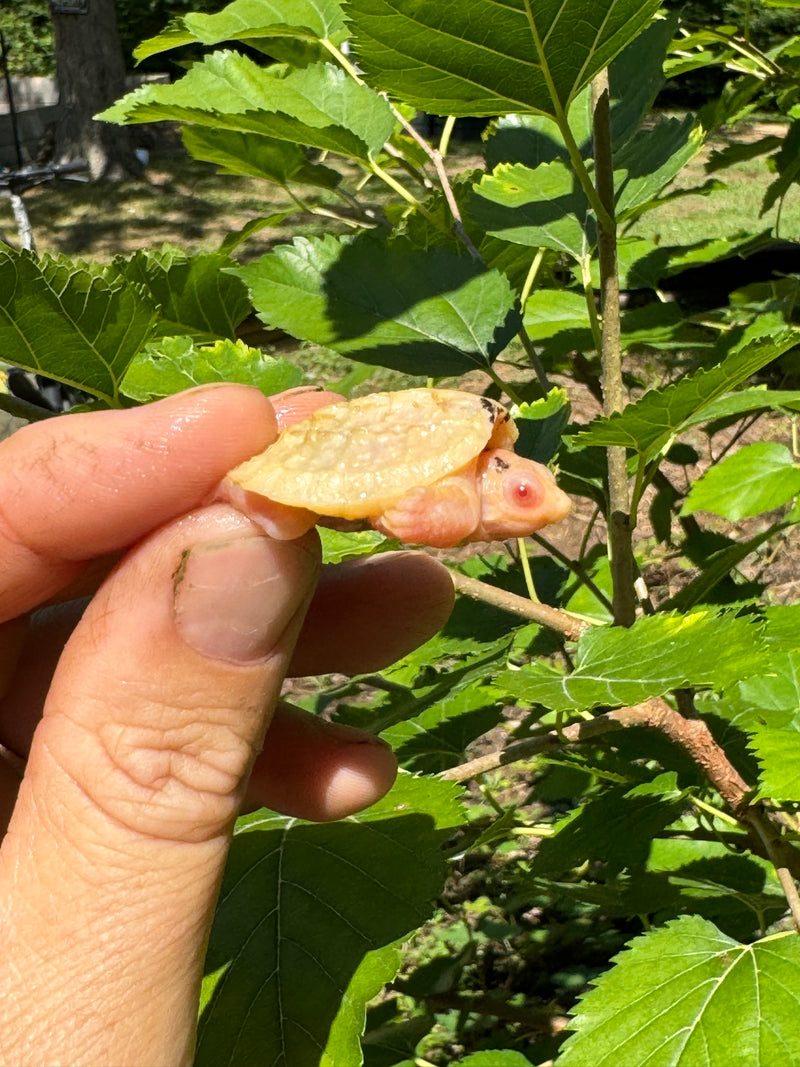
499	464
489	407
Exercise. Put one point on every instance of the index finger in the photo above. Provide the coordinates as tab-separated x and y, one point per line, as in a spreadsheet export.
80	486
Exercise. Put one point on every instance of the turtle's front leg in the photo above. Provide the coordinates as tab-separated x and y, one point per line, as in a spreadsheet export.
440	515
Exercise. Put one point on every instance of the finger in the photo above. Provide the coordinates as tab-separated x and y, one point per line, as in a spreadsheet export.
369	613
83	486
364	615
318	770
135	776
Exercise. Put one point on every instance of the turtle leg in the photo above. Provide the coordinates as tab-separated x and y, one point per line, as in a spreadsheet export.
280	521
441	515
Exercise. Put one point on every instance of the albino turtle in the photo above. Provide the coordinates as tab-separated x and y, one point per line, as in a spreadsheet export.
428	466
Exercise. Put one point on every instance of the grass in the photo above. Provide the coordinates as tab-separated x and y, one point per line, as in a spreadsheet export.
730	210
190	205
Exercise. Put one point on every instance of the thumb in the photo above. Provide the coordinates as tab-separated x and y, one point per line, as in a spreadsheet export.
117	844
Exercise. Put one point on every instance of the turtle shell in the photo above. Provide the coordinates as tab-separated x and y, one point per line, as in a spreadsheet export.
354	460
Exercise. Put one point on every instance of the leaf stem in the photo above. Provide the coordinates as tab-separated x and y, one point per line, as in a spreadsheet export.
526	570
560	116
447	130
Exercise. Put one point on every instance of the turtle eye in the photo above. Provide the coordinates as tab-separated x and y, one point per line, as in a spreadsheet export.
522	491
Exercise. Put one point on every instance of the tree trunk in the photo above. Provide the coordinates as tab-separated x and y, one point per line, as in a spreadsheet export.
90	73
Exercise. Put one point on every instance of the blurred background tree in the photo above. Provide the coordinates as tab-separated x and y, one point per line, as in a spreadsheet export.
44	39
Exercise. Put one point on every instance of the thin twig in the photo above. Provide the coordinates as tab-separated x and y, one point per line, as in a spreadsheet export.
535	362
693	736
576	568
435	157
553	618
531	746
764	829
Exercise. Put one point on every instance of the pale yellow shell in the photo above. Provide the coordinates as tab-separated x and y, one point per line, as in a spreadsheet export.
355	460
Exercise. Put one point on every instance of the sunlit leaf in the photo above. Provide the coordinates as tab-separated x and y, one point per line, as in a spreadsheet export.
617	666
489	57
175	363
195	295
777	750
686	995
648	424
318	105
757	478
244	20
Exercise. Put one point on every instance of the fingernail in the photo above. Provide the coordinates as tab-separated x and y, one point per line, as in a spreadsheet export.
234	600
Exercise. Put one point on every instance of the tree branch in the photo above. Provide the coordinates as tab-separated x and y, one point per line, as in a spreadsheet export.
765	836
553	618
619	524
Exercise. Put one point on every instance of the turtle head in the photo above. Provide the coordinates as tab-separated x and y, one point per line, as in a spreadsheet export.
517	495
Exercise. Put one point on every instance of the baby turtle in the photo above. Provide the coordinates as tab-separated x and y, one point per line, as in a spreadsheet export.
428	466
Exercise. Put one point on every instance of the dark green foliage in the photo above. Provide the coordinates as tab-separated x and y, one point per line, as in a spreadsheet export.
28	29
28	32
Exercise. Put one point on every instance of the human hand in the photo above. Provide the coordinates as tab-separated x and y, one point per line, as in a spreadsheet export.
143	719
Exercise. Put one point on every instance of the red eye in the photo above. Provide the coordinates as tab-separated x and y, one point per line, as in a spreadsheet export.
522	492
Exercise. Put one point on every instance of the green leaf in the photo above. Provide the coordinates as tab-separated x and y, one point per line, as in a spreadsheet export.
559	321
777	750
787	164
338	545
646	264
757	478
194	293
635	77
244	20
759	398
175	363
438	738
71	323
258	156
686	995
541	425
306	924
553	312
648	425
490	57
615	829
543	207
318	105
424	312
651	159
617	666
236	237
